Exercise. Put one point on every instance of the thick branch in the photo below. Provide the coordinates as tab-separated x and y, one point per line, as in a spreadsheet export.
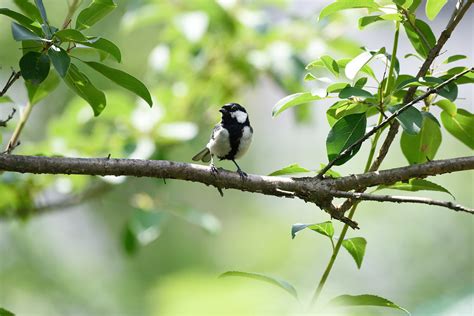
309	189
401	199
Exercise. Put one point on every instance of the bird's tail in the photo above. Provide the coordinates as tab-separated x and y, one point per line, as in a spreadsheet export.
204	155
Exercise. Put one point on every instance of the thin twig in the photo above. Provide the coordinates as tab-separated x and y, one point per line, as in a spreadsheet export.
429	92
9	117
401	199
11	80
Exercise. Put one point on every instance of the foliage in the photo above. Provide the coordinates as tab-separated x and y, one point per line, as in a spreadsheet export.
205	56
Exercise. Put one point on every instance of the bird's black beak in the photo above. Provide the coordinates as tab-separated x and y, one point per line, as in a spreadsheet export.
222	110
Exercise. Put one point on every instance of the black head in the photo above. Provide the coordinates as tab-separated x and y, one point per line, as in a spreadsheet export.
234	113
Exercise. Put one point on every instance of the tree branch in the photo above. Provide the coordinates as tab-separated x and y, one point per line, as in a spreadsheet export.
11	80
3	123
429	92
401	199
309	189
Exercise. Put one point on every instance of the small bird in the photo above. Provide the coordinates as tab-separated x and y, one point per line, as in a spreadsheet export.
230	139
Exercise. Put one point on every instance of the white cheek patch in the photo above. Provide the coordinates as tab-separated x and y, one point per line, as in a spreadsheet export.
240	116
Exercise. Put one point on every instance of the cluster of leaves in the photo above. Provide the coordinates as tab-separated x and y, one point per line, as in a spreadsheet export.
44	44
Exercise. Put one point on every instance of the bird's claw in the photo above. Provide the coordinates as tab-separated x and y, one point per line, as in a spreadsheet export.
242	174
214	170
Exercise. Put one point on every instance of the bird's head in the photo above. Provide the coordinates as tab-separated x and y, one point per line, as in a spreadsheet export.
235	112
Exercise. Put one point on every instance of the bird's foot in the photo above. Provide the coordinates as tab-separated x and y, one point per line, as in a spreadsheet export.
242	174
214	170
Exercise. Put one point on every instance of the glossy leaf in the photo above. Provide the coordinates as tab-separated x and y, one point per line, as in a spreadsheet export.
418	40
423	146
291	169
356	64
454	58
34	67
346	4
23	20
29	9
411	119
367	20
36	93
449	91
123	79
336	87
21	33
70	35
360	83
414	185
330	64
326	228
104	45
365	68
4	312
42	10
356	247
293	100
60	59
80	84
433	7
349	92
344	133
447	106
282	284
460	125
364	300
97	10
330	173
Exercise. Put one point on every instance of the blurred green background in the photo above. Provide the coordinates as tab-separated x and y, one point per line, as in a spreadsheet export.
73	245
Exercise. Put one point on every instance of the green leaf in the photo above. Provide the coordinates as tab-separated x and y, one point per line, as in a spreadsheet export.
364	300
60	59
123	79
454	58
348	92
450	91
21	33
356	64
356	247
293	168
360	83
344	133
414	185
97	10
416	39
433	7
70	35
5	99
423	146
346	4
447	106
80	84
36	93
282	284
23	20
4	312
42	10
34	67
330	64
367	20
330	173
411	119
29	9
336	87
460	125
293	100
326	228
142	228
104	45
365	68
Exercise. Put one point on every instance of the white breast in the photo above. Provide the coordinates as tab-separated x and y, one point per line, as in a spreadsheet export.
244	141
220	145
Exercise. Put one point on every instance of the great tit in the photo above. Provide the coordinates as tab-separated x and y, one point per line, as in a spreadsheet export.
230	139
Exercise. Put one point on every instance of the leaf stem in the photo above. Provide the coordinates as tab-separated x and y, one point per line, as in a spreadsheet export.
13	142
393	59
71	10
